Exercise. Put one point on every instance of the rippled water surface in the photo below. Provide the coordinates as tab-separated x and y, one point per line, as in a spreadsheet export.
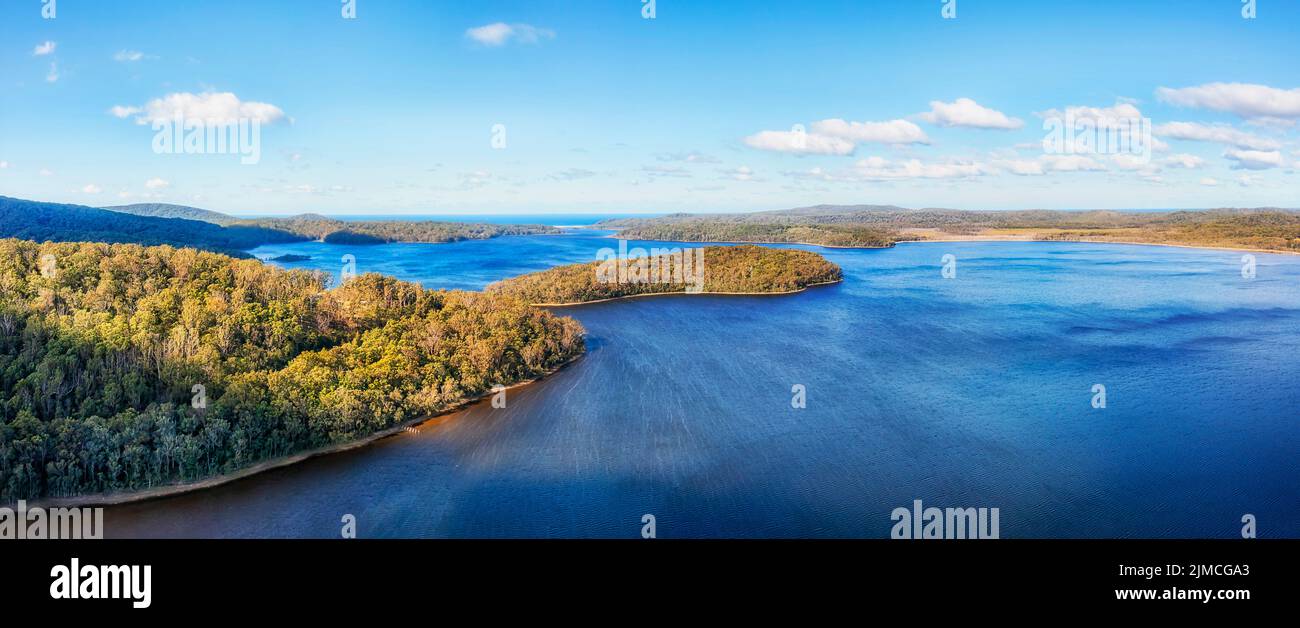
972	391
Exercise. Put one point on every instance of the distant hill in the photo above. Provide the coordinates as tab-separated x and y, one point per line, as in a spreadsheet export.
168	210
1265	228
56	222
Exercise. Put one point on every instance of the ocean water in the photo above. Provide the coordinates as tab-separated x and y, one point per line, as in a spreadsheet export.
974	391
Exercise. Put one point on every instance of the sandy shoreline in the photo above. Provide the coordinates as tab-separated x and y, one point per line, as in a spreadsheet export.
169	490
1177	246
986	238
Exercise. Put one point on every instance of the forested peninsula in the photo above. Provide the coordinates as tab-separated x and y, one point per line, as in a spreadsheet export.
871	226
725	269
181	226
126	368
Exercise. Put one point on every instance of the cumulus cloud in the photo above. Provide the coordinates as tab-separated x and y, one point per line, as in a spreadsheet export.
213	108
1022	167
1254	159
127	56
799	142
500	33
968	113
1209	182
1071	163
1121	114
156	183
3	164
1248	100
44	49
120	111
1184	160
91	188
891	132
879	168
742	173
837	137
1217	133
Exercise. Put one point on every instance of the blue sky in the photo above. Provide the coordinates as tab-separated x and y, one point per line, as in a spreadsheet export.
710	106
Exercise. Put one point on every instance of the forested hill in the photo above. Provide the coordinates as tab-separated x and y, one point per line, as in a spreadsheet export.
167	210
317	227
178	225
125	367
39	222
1264	228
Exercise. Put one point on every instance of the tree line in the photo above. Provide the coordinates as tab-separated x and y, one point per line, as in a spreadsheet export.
125	367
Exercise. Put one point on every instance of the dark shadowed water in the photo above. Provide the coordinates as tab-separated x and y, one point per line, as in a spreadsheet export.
971	391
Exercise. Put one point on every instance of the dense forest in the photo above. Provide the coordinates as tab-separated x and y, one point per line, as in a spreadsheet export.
168	210
181	226
873	226
125	367
326	229
32	220
730	231
747	269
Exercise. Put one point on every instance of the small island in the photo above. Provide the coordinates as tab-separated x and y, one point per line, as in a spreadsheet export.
725	270
291	257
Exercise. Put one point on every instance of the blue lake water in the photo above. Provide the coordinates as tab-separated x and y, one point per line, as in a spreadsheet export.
973	391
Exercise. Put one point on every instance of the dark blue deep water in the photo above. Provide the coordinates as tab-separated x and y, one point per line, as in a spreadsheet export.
971	391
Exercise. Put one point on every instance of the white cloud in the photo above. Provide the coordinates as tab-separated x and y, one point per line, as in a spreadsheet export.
91	188
799	142
3	165
1133	162
1071	163
837	137
128	55
1022	167
573	174
500	33
891	132
879	168
816	174
1218	133
690	157
120	111
1247	180
44	49
968	113
742	173
1254	159
45	172
53	75
1247	100
213	108
1184	160
156	183
666	171
1207	181
1122	114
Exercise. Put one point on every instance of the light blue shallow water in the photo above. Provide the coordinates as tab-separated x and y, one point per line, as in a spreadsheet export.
971	391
